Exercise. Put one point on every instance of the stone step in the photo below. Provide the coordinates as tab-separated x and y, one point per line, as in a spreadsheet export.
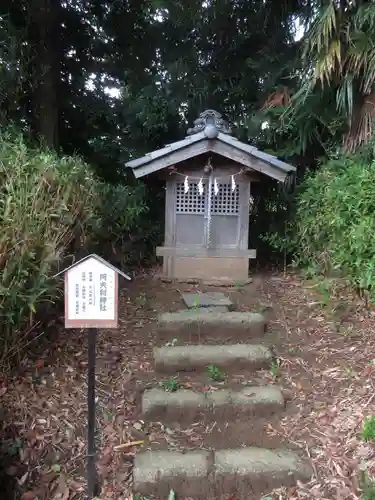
195	324
187	406
211	299
245	472
195	357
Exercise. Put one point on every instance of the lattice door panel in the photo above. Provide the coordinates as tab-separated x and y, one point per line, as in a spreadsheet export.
226	202
224	231
191	202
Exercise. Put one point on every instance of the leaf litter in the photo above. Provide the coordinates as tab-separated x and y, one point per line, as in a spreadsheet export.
327	369
336	359
44	410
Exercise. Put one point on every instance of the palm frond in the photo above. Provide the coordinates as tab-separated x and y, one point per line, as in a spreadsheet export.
322	31
323	44
329	62
368	80
365	16
359	57
341	46
344	96
362	126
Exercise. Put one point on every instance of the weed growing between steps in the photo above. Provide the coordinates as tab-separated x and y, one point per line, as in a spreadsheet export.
261	308
141	300
171	343
195	302
239	284
275	368
170	385
215	373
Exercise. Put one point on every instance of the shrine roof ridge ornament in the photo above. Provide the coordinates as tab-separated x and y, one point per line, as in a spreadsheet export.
211	122
212	134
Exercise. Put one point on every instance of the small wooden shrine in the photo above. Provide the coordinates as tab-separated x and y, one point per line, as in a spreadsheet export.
208	199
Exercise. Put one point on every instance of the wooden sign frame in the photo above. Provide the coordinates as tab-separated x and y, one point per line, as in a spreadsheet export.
92	324
95	289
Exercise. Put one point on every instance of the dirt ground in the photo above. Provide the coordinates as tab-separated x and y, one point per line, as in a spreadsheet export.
325	346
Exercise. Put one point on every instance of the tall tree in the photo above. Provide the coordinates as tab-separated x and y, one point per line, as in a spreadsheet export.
221	54
44	37
339	57
171	59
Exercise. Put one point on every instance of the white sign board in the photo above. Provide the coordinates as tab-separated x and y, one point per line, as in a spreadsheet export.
91	295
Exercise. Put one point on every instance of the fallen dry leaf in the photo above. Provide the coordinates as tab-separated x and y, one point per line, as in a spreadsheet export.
29	495
367	371
46	421
123	446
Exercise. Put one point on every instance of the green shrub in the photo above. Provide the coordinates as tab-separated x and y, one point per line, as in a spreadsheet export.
45	204
124	231
333	229
52	207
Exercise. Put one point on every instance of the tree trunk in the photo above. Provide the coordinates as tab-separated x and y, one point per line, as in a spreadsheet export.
45	38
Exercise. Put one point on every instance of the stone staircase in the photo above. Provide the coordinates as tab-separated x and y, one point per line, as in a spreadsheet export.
239	473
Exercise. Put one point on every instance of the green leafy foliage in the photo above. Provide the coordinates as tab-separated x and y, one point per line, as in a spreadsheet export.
50	207
333	229
118	207
323	290
341	43
45	202
171	343
15	447
170	385
189	63
331	96
367	485
275	368
215	373
369	491
368	430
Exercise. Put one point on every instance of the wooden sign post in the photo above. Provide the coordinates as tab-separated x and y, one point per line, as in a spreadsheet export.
91	302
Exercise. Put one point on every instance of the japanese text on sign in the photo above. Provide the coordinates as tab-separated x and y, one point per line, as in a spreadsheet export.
91	291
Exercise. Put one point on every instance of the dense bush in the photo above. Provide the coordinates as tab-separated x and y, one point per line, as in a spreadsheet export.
50	207
125	230
333	230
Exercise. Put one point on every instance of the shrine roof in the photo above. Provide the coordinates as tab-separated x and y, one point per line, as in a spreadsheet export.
211	134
